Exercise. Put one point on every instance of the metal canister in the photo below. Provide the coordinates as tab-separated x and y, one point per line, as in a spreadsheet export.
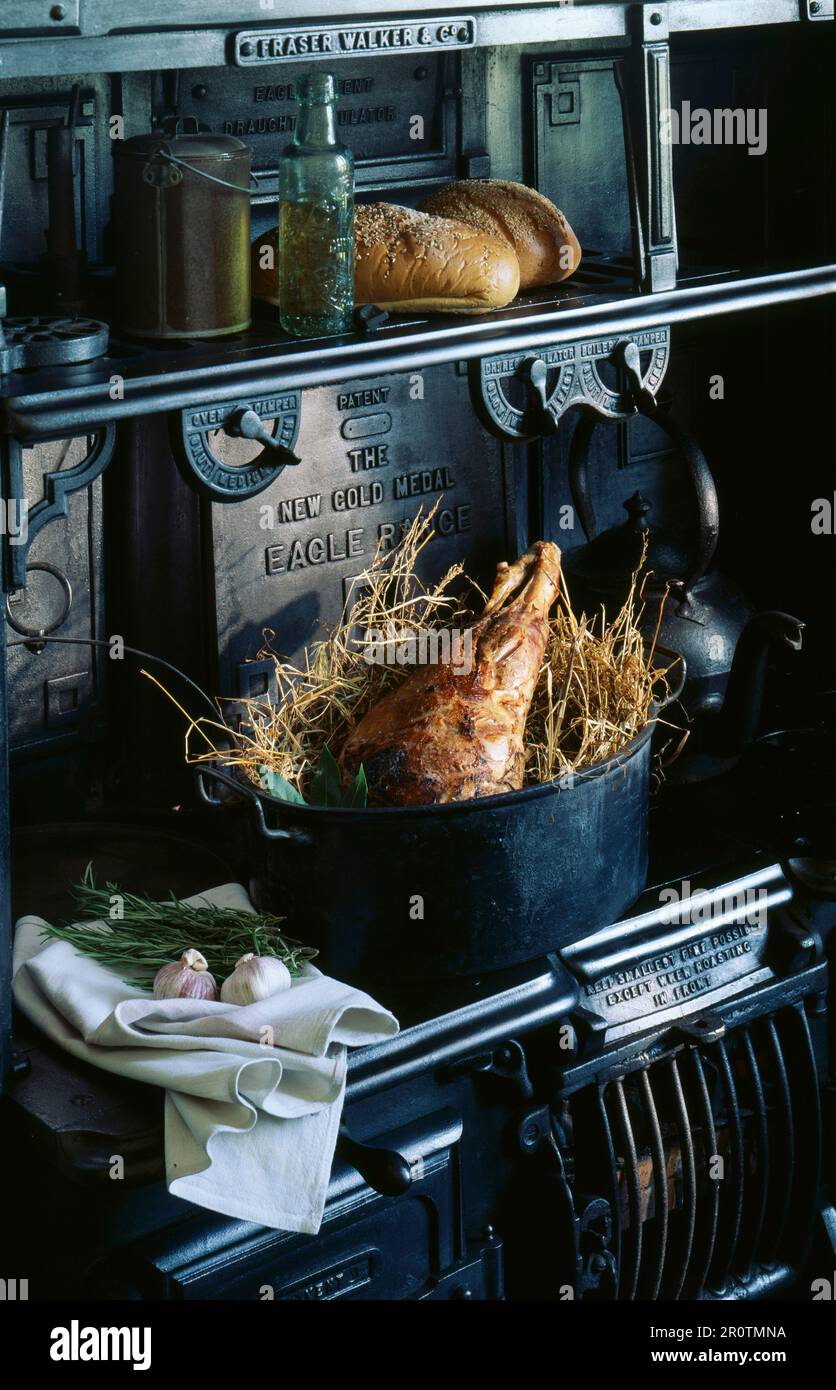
182	228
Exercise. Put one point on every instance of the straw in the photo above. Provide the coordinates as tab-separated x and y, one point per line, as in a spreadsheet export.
594	693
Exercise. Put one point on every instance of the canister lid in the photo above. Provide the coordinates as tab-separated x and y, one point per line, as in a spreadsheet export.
184	140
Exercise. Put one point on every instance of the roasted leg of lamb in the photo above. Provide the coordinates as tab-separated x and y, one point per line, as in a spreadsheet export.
453	731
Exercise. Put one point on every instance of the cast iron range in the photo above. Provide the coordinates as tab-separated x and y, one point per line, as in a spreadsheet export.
660	1084
639	1116
667	1082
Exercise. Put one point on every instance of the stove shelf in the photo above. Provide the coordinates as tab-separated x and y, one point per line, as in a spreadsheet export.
154	37
52	403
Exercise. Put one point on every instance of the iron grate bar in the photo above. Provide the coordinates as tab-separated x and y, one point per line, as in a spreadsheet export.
807	1109
733	1189
707	1231
759	1186
660	1183
689	1177
784	1132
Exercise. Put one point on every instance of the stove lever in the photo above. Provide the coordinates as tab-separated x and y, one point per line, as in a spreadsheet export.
645	401
535	373
386	1170
246	423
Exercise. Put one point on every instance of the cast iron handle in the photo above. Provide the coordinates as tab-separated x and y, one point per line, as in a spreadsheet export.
701	478
301	837
246	423
630	357
386	1170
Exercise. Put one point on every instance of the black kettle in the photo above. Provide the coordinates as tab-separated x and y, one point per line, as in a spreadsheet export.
691	608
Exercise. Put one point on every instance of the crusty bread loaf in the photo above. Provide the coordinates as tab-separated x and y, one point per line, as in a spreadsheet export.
547	248
409	261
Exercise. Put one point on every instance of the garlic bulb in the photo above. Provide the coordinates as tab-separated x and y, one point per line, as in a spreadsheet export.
254	978
189	978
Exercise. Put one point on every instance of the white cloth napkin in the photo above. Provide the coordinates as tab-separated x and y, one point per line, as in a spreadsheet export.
250	1127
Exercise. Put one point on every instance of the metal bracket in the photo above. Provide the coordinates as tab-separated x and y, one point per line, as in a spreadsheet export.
596	1260
648	95
554	379
653	21
58	487
507	1063
224	482
817	9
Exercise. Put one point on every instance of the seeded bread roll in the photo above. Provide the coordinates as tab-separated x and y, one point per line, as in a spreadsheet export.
408	261
547	248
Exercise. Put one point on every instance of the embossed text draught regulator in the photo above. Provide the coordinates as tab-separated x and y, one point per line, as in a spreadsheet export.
523	395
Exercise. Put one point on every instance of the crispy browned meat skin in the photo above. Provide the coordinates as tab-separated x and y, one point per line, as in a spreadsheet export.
442	736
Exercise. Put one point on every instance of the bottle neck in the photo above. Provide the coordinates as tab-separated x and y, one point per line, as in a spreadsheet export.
316	125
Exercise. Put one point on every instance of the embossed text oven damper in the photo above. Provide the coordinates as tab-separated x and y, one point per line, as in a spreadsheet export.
235	450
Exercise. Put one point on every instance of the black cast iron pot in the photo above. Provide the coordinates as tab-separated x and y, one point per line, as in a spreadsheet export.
407	894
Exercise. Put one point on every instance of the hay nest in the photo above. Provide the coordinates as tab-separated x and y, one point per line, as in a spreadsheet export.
594	694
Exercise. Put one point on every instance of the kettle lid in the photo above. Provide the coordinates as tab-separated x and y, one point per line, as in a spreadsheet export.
614	556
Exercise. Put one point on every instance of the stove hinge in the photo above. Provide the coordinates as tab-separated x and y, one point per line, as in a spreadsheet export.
589	1218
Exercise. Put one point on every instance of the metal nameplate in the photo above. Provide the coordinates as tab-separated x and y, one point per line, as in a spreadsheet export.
683	977
572	373
254	46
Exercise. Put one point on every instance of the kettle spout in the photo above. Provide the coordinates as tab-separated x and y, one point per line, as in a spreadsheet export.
735	726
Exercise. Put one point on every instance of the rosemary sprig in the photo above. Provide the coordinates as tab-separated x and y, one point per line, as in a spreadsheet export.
131	932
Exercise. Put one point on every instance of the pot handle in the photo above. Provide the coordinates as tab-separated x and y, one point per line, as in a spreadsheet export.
300	837
701	478
675	692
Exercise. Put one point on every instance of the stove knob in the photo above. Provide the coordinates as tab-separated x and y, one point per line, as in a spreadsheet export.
246	423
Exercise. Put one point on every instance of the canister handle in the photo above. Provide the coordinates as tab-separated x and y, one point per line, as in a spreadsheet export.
189	125
177	163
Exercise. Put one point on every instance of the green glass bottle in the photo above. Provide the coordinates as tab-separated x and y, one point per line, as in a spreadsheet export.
316	218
